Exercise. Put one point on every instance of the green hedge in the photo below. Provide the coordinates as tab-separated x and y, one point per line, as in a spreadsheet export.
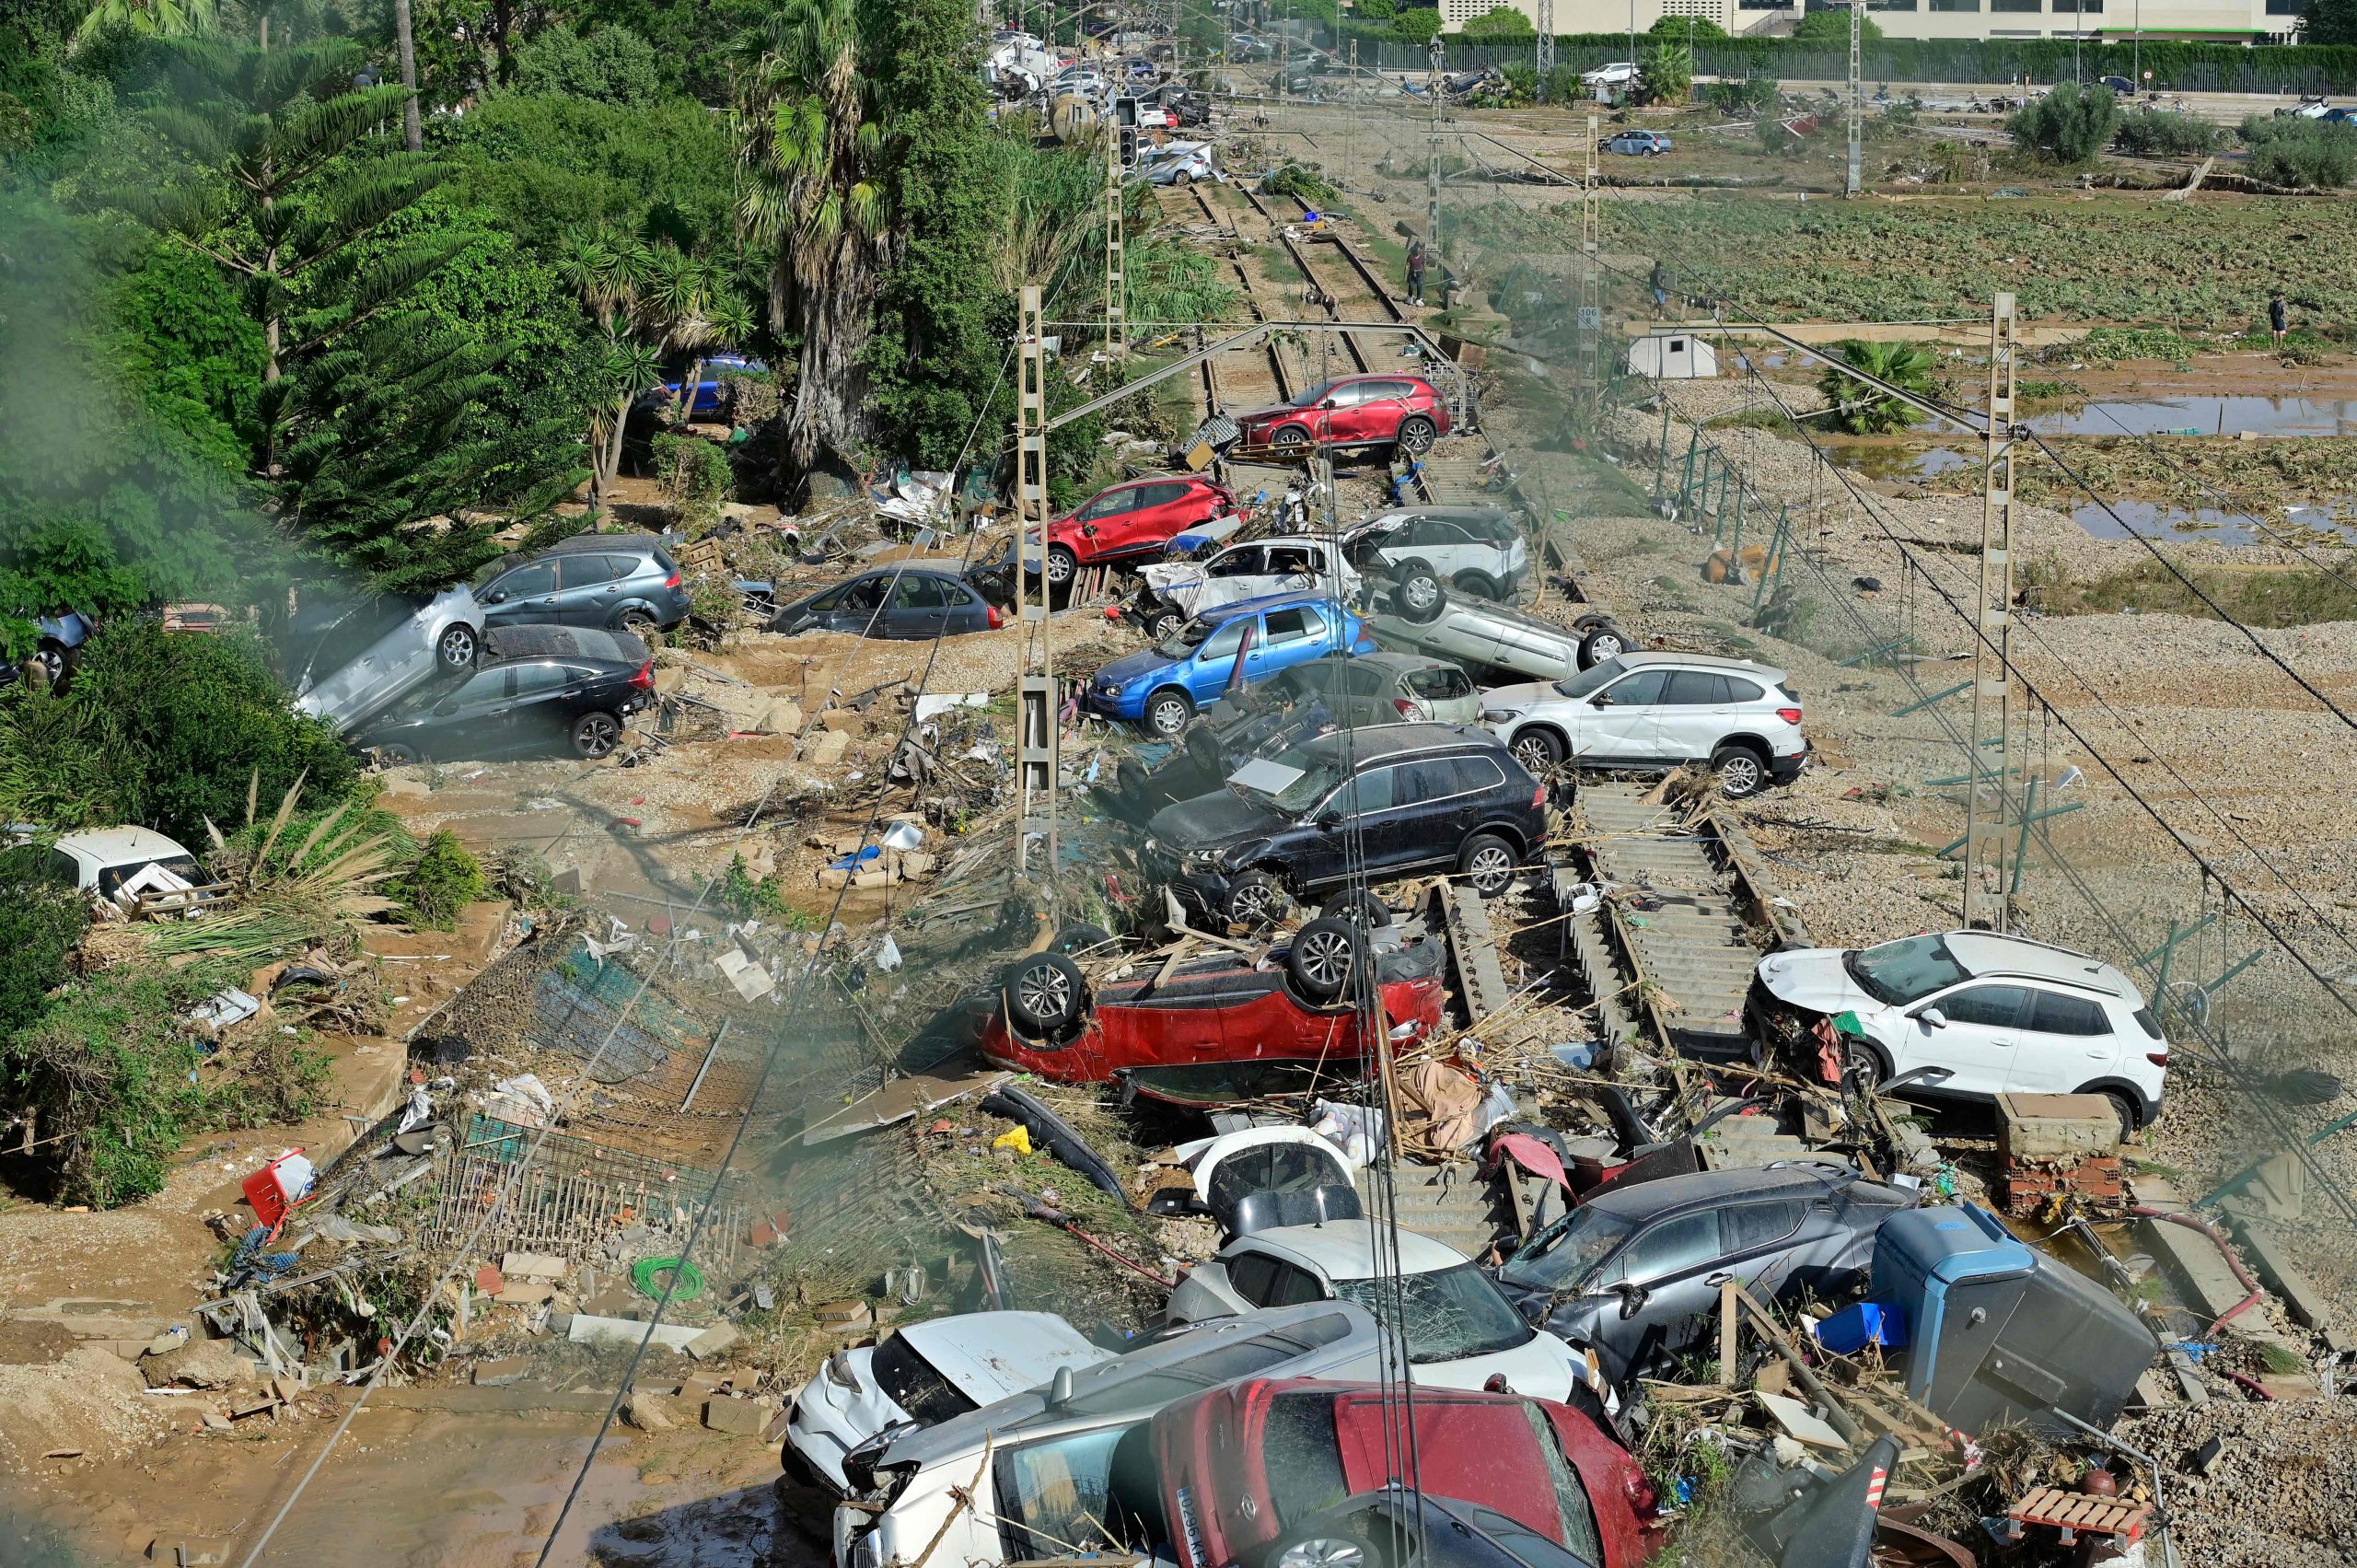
2183	67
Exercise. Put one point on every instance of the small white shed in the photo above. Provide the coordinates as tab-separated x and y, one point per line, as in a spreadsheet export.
1673	356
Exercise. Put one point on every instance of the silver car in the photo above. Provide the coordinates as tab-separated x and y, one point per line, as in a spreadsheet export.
359	661
617	582
1481	635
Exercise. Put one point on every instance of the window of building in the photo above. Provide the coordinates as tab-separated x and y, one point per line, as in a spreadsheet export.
2287	7
2030	6
1956	5
2077	9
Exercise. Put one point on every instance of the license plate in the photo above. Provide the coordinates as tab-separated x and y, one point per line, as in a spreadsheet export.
1190	1530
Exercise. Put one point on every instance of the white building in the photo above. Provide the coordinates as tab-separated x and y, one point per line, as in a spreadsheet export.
1673	356
2228	21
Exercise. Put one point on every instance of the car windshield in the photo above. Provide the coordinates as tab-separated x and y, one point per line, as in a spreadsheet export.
1898	972
1303	1455
113	877
1567	1252
1319	775
915	1384
1186	639
1313	396
1591	680
1446	1315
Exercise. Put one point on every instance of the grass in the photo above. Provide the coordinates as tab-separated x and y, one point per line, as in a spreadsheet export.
2256	597
1772	420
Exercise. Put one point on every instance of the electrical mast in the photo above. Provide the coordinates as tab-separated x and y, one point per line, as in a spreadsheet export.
1985	833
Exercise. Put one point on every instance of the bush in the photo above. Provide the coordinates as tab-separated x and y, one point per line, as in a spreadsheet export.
444	881
2153	132
1667	73
42	919
612	64
1301	181
1692	29
1499	24
2070	124
2307	153
1833	27
1754	95
1417	24
696	474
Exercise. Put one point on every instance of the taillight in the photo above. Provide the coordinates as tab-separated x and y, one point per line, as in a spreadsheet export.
1642	1498
1404	708
2157	1058
644	679
673	580
995	620
1538	799
1790	716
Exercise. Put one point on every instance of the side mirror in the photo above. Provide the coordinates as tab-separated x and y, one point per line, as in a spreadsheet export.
1329	820
496	596
1599	700
1633	1298
1933	1018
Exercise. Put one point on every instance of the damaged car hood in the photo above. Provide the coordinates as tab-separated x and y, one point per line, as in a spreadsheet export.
1212	821
1815	978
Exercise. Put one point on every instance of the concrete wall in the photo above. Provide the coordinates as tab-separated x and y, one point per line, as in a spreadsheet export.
2233	20
1602	16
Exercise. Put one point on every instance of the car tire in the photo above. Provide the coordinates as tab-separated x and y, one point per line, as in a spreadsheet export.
1165	623
1488	863
1538	749
1291	437
1324	956
2125	1111
395	755
1078	937
1062	564
1475	585
1045	994
1417	434
595	735
639	623
1603	641
1182	179
1202	750
1255	901
1418	595
1862	1072
1359	907
56	658
1328	1549
1743	772
1167	712
458	647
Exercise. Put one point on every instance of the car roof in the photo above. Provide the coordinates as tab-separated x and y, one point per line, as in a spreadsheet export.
1709	1189
1344	1249
117	846
1001	1352
535	639
1391	740
1989	953
1224	612
1644	659
1404	664
623	541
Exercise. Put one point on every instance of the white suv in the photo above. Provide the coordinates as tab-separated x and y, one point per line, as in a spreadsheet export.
1430	552
1988	1014
1177	591
1646	712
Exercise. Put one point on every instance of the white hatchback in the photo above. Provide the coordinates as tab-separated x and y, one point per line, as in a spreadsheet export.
1655	712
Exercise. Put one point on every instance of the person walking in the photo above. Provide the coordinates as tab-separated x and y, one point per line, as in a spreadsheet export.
2278	317
1661	289
1416	260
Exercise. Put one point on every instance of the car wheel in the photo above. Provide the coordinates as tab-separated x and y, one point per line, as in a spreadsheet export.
1359	907
1538	751
1182	179
1420	596
54	660
638	624
1417	434
1473	585
1291	437
1255	899
458	647
1044	994
2125	1111
1166	713
1202	750
1326	1549
1861	1068
1602	643
1062	564
595	735
1319	961
394	755
1741	772
1487	863
1165	623
1078	937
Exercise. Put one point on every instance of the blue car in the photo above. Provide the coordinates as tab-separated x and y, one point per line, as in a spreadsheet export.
1158	688
707	393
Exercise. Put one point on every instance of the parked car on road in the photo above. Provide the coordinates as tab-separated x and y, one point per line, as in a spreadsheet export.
1998	1014
1376	803
1159	688
1126	521
1472	550
538	687
1212	1011
1352	410
1656	711
1292	1473
1481	635
1069	1468
1633	1271
2122	86
893	601
924	1375
359	657
619	581
1178	589
1459	1331
1637	144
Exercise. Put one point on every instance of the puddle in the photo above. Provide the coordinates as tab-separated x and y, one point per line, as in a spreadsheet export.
2205	415
2335	523
1901	462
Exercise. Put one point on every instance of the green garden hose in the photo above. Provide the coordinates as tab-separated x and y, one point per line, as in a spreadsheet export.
648	1273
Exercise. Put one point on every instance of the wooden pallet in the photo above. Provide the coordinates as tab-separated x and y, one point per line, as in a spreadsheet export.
2079	1512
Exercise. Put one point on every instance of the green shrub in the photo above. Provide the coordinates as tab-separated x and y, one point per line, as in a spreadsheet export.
2153	132
1301	181
696	474
1499	24
1753	95
445	878
2070	124
42	919
2306	153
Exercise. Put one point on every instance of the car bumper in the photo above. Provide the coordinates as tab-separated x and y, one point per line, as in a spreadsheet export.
1128	706
1198	892
1784	770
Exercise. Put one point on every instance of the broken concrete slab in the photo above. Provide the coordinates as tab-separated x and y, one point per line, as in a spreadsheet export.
844	721
586	1329
2056	1127
2271	1261
2193	1264
825	748
200	1364
1800	1422
715	1341
648	1412
744	1418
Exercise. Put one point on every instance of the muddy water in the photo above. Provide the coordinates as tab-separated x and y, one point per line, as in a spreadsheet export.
2202	414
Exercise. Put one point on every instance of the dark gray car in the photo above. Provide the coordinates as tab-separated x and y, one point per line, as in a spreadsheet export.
1635	1271
613	582
904	602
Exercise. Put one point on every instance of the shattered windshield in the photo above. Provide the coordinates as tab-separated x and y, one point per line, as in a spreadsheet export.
1564	1254
1320	774
1898	972
1445	1316
1185	640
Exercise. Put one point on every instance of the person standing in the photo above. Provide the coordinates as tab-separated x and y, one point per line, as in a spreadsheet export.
2278	318
1416	259
1661	281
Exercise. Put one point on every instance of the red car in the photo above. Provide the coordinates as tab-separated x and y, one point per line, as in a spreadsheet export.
1214	1010
1253	1473
1128	520
1352	410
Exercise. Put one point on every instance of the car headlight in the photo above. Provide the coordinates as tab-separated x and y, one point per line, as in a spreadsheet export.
1501	716
1201	860
1112	688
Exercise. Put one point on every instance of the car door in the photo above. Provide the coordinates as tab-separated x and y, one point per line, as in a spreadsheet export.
2065	1042
1381	406
526	593
1160	516
1293	569
1693	715
1437	796
539	703
1289	637
1670	1261
1329	420
920	609
857	608
1977	1042
1623	728
588	586
1379	813
1756	1245
1102	522
473	719
1206	672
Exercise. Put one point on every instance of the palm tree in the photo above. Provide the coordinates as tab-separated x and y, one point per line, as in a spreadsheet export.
406	42
155	19
634	367
1859	408
729	324
815	194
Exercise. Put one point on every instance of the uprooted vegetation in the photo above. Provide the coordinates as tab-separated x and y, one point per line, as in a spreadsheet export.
2266	597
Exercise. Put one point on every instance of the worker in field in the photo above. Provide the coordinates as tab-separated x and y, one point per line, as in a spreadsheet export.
2278	319
1416	260
1661	289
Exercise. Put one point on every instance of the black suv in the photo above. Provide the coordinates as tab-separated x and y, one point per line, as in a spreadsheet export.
536	686
1390	802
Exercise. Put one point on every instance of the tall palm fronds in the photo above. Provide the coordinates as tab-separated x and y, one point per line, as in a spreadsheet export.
288	894
57	760
1863	410
153	19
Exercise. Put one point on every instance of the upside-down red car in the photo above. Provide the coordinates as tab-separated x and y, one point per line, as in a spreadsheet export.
1218	1011
1278	1473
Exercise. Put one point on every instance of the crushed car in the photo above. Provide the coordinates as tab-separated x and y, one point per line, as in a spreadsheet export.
1176	590
1485	636
537	688
359	657
1160	689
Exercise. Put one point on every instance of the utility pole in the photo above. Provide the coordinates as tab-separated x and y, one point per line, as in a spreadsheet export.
1432	169
1857	99
1037	719
1117	290
1591	315
1993	653
1546	59
1350	124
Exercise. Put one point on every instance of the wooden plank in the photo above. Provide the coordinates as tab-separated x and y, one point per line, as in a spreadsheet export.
1481	981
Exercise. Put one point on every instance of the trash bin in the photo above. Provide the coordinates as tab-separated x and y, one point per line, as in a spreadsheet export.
2001	1334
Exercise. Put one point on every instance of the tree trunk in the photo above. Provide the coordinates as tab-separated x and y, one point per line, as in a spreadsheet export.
614	444
503	18
412	134
829	418
683	407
